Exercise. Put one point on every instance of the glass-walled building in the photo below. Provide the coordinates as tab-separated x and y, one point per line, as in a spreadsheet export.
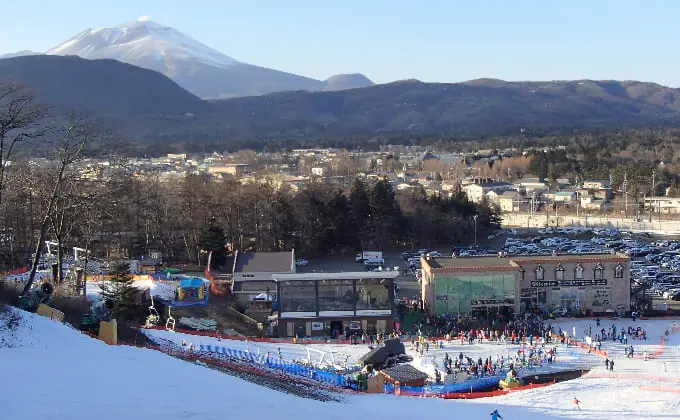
588	283
323	304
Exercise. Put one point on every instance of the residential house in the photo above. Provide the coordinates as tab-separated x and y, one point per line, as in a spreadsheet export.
530	184
509	201
562	183
318	171
477	192
592	203
564	196
253	271
600	189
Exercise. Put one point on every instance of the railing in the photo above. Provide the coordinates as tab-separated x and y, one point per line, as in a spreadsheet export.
270	362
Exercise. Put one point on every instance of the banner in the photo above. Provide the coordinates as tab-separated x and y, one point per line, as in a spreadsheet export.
317	326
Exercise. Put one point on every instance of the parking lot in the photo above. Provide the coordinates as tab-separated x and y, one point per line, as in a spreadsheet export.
655	267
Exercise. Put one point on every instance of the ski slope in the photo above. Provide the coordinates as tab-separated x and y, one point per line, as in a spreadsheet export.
50	371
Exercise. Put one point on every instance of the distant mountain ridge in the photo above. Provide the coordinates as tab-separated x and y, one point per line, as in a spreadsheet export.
196	67
147	105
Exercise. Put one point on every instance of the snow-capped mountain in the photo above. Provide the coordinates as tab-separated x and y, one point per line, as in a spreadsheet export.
191	64
145	41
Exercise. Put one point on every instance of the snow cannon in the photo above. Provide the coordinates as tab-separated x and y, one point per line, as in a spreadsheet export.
99	311
37	295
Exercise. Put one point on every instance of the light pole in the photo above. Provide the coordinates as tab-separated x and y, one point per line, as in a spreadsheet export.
475	219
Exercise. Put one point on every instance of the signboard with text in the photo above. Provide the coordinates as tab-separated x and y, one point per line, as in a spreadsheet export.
568	283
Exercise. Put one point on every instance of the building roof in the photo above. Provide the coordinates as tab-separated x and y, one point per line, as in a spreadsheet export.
404	373
565	258
264	262
337	276
513	263
484	263
509	194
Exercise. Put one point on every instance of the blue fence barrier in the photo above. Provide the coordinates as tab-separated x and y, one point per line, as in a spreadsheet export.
470	385
274	363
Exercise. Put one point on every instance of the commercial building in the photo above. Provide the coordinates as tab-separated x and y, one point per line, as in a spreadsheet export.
323	304
597	283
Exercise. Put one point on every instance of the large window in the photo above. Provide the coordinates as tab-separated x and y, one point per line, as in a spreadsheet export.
461	294
336	295
297	296
373	294
559	273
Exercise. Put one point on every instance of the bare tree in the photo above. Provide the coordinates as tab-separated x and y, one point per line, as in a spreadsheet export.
72	143
20	117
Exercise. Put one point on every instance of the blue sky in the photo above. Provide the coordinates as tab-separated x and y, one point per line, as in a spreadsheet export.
431	40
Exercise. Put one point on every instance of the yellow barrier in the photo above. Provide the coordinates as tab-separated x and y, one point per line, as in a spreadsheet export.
49	312
108	332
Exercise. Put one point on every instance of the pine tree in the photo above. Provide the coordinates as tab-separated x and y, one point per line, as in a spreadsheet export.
213	239
121	291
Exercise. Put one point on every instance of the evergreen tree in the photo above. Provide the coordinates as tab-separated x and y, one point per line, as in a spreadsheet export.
360	210
213	239
121	291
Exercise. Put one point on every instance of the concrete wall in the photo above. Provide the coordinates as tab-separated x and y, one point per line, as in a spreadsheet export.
669	227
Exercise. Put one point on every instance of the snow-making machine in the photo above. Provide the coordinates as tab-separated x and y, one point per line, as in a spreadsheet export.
99	311
37	295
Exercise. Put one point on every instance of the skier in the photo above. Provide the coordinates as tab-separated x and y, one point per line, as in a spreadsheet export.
576	403
495	415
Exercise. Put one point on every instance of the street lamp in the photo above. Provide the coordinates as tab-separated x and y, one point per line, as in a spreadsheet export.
475	219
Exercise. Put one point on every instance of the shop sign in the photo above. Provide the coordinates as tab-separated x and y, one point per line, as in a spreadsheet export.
595	282
568	283
354	325
543	283
317	326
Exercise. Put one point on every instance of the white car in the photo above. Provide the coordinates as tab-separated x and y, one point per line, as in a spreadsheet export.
434	254
301	262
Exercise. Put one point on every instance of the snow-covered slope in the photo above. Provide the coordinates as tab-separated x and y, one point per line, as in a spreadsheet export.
54	372
192	65
50	371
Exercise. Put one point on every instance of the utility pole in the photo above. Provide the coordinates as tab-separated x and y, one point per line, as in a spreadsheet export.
625	190
474	217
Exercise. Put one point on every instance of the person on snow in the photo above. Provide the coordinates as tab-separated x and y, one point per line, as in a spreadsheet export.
495	415
577	403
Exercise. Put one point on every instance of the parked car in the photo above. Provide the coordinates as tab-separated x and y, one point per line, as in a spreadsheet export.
301	262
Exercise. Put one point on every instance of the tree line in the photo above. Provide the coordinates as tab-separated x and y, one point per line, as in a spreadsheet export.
112	212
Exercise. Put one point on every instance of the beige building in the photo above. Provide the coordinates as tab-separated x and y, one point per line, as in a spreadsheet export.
233	169
590	283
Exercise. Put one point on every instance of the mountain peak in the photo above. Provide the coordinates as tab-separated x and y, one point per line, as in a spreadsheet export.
144	43
347	81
